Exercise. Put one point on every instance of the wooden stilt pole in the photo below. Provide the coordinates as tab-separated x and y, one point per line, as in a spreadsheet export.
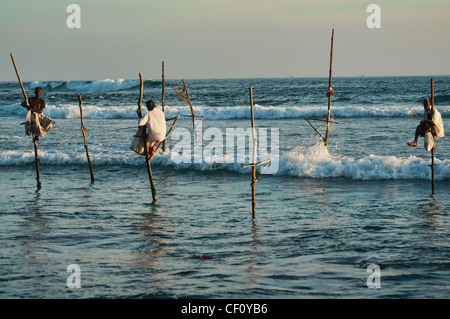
163	86
434	139
170	129
329	85
18	77
36	157
432	172
147	153
141	90
255	164
192	109
184	95
254	155
149	171
163	100
83	129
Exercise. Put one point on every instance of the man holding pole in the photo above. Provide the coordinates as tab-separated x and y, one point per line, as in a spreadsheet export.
36	123
35	104
155	122
41	123
432	121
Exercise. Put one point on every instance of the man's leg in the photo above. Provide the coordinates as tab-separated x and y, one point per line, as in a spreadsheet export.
420	131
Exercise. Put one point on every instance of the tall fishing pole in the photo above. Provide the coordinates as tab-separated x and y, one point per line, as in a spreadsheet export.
329	87
38	178
410	109
147	150
83	130
254	164
434	139
330	92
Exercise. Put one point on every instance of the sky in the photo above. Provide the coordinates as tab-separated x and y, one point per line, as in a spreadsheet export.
222	39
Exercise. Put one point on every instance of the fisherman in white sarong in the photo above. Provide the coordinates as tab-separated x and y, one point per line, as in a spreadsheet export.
432	122
37	124
155	123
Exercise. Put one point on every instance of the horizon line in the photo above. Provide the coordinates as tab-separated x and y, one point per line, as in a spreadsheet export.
235	78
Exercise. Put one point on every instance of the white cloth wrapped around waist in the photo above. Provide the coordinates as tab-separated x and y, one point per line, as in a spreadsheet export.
436	118
155	122
428	141
38	124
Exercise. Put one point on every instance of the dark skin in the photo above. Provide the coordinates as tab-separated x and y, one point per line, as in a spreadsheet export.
35	104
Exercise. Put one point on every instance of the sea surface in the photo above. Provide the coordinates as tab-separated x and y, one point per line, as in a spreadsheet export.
325	216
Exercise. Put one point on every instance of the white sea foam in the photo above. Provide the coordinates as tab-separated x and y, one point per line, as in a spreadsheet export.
222	113
317	162
286	112
52	84
312	162
70	111
104	85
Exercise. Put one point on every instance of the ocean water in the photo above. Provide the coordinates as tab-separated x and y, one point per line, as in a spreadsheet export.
323	215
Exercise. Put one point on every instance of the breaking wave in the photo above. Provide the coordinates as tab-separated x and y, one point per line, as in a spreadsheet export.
317	162
105	85
68	111
309	162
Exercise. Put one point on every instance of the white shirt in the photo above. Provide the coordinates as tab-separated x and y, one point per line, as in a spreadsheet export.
155	122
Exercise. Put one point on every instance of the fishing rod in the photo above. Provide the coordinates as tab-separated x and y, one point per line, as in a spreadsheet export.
18	78
38	178
410	109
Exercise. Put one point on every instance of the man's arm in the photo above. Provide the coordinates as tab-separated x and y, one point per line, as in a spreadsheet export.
144	120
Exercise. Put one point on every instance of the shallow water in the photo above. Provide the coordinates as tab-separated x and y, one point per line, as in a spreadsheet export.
311	237
321	219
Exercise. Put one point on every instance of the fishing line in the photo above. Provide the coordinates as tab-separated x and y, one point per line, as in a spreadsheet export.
410	109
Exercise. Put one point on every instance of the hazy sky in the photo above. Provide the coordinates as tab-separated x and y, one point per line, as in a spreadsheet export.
222	39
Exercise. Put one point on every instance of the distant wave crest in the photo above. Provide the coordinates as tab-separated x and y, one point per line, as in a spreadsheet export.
105	85
225	113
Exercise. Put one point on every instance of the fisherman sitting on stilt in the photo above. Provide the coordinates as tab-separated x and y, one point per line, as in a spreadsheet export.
37	123
155	123
432	122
